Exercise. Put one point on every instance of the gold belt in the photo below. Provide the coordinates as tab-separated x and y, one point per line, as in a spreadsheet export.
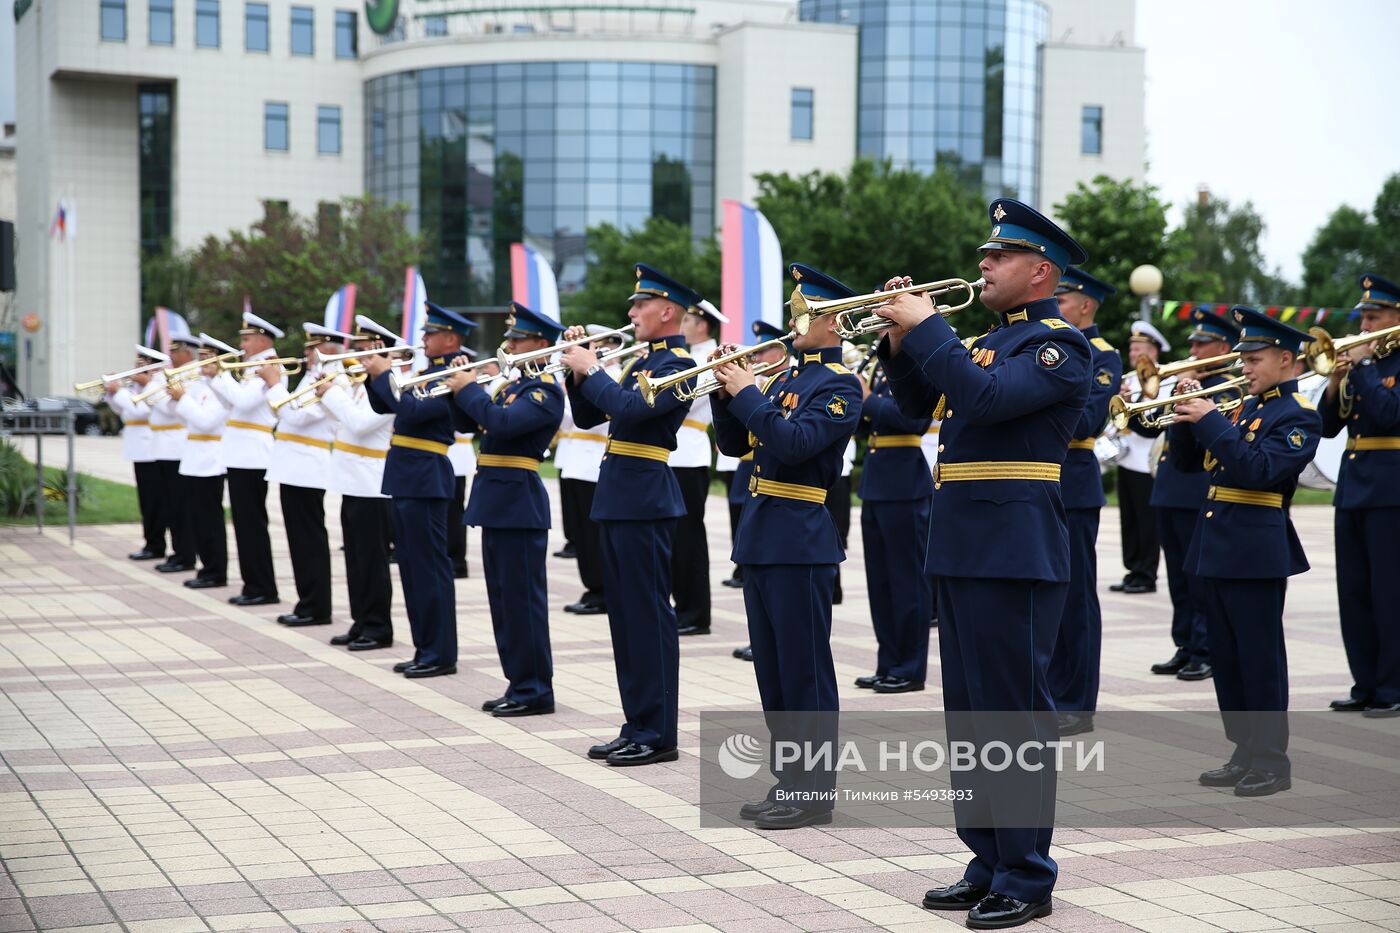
995	469
878	441
583	436
697	425
1273	500
644	451
308	441
373	453
167	427
136	424
768	487
418	443
202	437
501	460
1373	443
250	426
1085	444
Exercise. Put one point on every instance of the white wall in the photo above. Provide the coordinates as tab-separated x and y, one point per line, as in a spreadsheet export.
1091	22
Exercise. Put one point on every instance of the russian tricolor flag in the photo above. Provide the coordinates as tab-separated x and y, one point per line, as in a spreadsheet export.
340	310
163	325
751	284
415	313
532	281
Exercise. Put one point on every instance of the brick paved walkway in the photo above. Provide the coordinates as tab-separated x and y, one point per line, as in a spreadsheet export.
173	763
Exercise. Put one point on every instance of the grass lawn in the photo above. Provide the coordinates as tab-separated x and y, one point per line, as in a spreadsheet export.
101	502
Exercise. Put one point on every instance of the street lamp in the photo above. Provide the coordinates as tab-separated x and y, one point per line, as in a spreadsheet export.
1146	283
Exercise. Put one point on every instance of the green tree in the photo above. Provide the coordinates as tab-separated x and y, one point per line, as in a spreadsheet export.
167	277
661	243
1217	239
1340	251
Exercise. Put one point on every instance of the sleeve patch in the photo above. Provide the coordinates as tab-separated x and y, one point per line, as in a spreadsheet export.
836	407
1388	382
537	395
1103	377
1297	438
1049	356
1056	323
1304	402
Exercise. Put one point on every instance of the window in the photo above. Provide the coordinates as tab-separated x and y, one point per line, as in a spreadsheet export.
162	22
114	20
255	27
434	26
206	24
1091	131
328	130
303	31
801	113
347	39
275	126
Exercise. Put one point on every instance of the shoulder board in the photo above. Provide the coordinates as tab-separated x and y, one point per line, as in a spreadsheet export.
1103	345
839	369
1304	402
547	378
1055	323
681	352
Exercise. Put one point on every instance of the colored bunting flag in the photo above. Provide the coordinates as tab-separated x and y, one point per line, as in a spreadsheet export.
340	310
532	281
751	283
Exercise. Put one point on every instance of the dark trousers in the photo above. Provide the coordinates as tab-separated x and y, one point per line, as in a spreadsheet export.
247	496
425	574
789	612
456	531
895	536
513	561
646	647
1074	667
1188	598
1245	621
1368	597
148	498
735	510
204	498
838	503
1021	619
175	513
304	514
364	525
576	502
690	557
1137	524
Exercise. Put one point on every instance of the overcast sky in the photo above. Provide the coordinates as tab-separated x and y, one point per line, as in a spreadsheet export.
1291	104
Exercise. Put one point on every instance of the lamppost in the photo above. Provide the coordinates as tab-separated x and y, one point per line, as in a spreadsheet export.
1146	283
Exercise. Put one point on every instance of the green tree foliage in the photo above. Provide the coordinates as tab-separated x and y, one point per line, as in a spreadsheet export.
660	243
166	279
1352	242
1216	238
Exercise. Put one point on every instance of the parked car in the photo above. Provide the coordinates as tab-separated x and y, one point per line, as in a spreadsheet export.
89	419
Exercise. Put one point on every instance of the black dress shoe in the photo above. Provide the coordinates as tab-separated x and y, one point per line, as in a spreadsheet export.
402	666
242	600
340	641
755	808
745	653
1382	711
144	554
693	630
1196	670
783	816
490	705
1178	661
416	671
1137	586
292	620
511	708
1349	705
369	644
1227	775
599	752
961	896
735	582
567	551
998	911
171	566
1074	723
869	681
205	583
898	685
1259	783
582	608
635	753
460	573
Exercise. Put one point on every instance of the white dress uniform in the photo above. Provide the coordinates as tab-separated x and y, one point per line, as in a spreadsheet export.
202	475
247	438
168	447
138	446
361	442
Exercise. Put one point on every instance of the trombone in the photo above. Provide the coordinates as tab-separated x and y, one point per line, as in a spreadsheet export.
85	387
1323	351
1150	375
1121	412
185	373
855	316
621	353
652	388
361	354
515	360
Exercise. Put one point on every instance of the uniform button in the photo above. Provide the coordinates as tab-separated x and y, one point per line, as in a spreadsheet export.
1351	456
940	448
948	415
1210	515
937	485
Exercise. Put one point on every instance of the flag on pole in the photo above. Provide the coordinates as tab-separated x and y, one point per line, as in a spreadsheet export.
415	313
62	226
163	325
751	282
340	310
532	281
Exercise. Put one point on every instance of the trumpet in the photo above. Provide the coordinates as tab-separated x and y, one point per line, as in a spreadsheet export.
651	388
1151	375
621	353
125	375
305	396
291	365
855	316
361	354
419	383
515	360
1323	351
185	373
1121	412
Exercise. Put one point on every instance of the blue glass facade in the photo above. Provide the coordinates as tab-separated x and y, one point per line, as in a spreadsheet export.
487	155
953	82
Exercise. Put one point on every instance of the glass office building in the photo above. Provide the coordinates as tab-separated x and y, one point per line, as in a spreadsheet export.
953	82
487	155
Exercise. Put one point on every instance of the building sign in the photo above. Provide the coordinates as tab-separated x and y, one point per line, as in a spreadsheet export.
381	14
22	7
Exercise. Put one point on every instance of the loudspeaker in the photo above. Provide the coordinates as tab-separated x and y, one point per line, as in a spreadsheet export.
7	256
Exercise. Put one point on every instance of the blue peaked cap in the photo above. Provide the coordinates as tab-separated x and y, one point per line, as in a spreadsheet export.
652	283
439	318
1211	326
763	331
1075	279
1259	331
1017	226
525	322
1377	292
817	284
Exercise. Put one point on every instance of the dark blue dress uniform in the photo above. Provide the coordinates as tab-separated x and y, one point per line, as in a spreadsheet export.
1367	503
1009	403
419	477
896	493
508	502
1074	666
1245	547
1177	496
636	506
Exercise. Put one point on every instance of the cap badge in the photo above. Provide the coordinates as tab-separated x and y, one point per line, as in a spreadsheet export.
1366	282
999	214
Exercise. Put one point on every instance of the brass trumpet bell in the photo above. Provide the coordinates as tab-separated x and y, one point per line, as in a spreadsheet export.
1150	375
856	315
1323	351
651	388
1121	412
